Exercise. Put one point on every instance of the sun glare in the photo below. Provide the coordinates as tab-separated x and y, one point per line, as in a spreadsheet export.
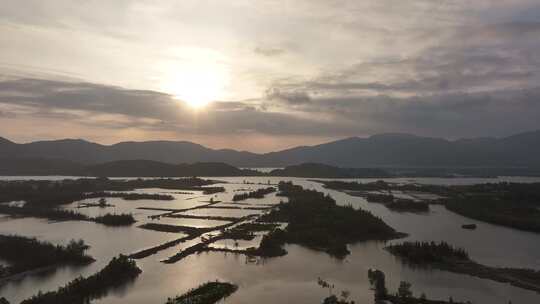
197	85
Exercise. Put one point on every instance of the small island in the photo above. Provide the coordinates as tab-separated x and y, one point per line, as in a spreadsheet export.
379	192
446	257
408	205
123	219
469	226
130	196
316	170
27	255
45	198
498	208
208	293
316	221
46	193
260	193
57	214
120	270
515	205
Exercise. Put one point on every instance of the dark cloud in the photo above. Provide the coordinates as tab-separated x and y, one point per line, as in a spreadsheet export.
452	115
290	97
48	94
82	102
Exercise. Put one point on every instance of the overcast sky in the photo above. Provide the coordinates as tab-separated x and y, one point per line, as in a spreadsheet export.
265	75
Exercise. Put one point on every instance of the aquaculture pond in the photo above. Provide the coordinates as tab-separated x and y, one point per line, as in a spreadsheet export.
287	279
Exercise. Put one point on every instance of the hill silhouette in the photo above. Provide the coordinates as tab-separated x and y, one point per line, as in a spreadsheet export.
384	150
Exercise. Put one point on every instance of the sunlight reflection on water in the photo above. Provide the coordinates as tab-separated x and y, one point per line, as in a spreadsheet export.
288	279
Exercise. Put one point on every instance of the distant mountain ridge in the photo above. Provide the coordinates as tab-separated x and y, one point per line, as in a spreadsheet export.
310	170
149	168
121	168
383	150
126	168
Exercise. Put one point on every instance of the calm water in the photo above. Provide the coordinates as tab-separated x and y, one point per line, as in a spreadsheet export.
288	279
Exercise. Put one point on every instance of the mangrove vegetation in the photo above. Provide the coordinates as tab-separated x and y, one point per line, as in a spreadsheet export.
120	270
515	205
404	294
130	196
316	221
42	193
57	214
24	254
207	293
260	193
446	257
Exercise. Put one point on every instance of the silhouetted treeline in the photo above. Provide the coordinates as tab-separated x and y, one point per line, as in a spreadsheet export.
124	219
428	252
54	193
25	254
514	205
527	194
130	196
207	293
397	204
316	170
43	197
260	193
356	186
67	215
272	244
496	210
174	228
408	205
120	270
140	168
381	185
404	294
47	213
446	257
379	198
450	172
509	204
246	231
522	193
317	222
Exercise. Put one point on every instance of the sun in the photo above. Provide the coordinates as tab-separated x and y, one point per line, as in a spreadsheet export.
196	85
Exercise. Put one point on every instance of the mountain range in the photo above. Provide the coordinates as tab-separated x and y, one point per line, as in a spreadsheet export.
384	150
